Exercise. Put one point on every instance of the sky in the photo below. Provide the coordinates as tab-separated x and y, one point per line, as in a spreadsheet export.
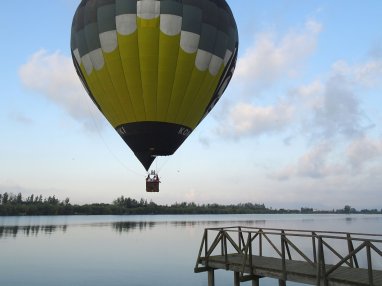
298	126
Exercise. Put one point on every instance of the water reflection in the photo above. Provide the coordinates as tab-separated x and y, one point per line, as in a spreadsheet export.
258	222
349	219
119	226
213	223
126	226
30	230
34	226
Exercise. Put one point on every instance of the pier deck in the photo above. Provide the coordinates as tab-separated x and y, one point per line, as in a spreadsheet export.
360	264
296	271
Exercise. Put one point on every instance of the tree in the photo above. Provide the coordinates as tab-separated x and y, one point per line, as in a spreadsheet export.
5	198
19	198
30	199
347	209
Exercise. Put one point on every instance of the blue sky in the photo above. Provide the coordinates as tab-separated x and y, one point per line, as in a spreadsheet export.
299	125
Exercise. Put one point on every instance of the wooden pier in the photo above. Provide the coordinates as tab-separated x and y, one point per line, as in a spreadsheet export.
304	256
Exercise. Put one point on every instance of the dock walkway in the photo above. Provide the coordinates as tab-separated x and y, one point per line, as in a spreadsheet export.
310	257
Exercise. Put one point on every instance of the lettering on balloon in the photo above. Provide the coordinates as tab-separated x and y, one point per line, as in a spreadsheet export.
184	131
121	131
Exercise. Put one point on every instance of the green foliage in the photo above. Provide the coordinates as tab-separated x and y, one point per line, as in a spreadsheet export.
11	204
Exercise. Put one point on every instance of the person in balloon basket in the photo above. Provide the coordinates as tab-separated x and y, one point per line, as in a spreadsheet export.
154	179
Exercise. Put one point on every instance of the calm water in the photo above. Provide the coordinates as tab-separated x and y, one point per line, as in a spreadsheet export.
133	250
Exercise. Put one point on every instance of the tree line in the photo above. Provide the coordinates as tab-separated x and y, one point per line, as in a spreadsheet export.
11	204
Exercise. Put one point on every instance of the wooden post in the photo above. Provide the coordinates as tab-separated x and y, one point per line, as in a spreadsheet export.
211	277
314	247
353	259
284	274
236	278
256	281
283	263
222	242
319	270
225	251
250	254
205	243
369	264
286	244
239	237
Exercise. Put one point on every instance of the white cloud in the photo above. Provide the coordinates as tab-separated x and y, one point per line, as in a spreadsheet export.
53	76
270	59
316	163
324	109
331	159
308	95
368	74
248	120
339	112
362	151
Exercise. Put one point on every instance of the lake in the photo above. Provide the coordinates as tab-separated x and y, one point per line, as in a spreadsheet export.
134	250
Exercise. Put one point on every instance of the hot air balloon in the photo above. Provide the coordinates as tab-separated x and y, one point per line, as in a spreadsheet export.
154	69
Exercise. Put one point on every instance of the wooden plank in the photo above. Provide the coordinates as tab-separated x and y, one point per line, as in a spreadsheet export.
249	278
297	271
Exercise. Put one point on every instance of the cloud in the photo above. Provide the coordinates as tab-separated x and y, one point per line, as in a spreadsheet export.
315	164
368	74
339	112
363	151
245	119
329	107
270	59
307	96
330	159
20	118
337	109
324	109
53	76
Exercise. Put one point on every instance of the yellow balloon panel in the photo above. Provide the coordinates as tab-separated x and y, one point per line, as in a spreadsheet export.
99	96
148	35
122	95
168	49
129	53
202	100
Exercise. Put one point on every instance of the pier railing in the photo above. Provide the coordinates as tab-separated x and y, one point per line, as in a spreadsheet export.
325	252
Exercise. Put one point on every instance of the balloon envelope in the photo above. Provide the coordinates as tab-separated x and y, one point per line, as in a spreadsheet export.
154	69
